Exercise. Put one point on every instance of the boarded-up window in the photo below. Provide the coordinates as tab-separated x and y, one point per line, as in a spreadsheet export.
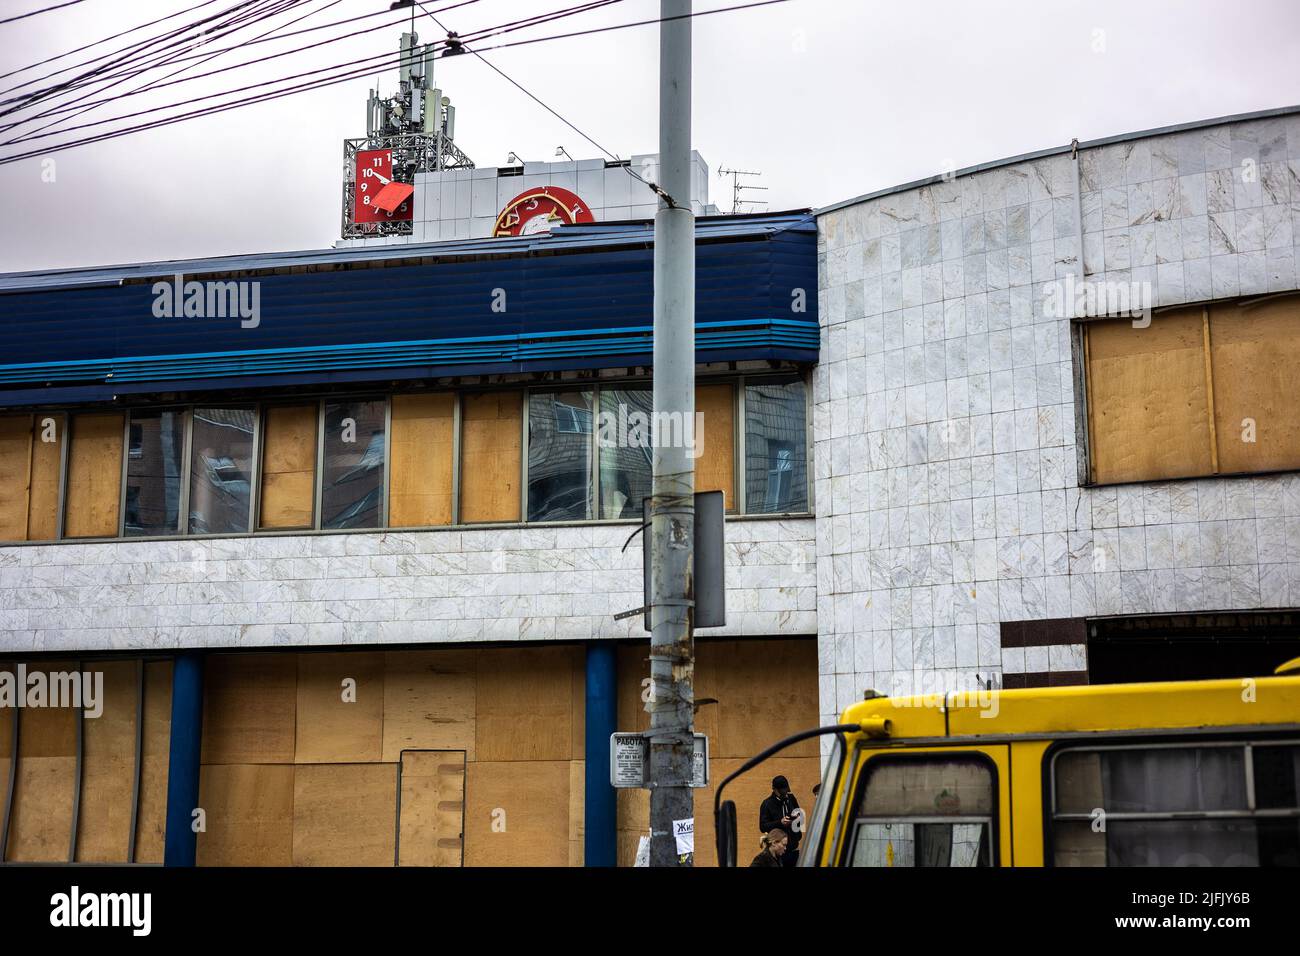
1255	357
491	430
94	476
420	485
1203	390
289	467
45	783
15	462
716	446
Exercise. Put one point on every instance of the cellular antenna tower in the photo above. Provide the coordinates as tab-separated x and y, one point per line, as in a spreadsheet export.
412	131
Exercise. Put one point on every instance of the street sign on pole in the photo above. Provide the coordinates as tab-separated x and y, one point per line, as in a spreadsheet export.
629	765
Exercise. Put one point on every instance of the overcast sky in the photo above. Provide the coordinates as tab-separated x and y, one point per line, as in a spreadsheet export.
828	98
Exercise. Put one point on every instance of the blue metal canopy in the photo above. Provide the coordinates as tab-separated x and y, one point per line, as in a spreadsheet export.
579	297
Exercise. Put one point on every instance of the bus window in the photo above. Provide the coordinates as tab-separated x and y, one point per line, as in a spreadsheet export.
1204	804
924	811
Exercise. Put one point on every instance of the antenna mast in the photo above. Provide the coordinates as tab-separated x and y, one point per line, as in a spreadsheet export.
737	188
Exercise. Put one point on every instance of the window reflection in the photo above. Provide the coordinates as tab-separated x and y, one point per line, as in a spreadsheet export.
221	470
155	458
776	452
626	474
559	456
352	494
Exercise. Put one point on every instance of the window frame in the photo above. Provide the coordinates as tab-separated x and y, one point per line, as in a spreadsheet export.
1244	742
873	757
258	407
1082	389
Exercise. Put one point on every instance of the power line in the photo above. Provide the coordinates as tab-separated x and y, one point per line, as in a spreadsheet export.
387	59
654	187
57	6
123	54
261	98
153	84
273	56
87	46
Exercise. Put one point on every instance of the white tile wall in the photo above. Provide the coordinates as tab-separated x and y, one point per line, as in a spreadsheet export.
530	583
944	420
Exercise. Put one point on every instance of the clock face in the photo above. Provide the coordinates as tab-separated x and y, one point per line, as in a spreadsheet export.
374	172
538	210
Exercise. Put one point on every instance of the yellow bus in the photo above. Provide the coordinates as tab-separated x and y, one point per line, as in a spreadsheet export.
1183	773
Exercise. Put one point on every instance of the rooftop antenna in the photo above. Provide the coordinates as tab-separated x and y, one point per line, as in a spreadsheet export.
737	188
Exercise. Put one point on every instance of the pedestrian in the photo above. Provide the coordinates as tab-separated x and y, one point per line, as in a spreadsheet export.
772	847
779	812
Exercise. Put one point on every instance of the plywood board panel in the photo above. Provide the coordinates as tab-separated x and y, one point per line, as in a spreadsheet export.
525	704
15	467
428	701
578	702
289	466
491	439
433	808
577	809
344	814
108	768
47	462
6	749
766	690
633	668
94	476
421	460
249	708
749	790
40	825
151	818
249	815
1148	402
633	819
1255	353
529	801
715	467
330	728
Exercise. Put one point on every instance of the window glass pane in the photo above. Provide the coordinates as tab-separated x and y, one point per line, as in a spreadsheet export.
559	456
903	844
1205	842
941	787
1166	779
776	448
154	460
221	470
625	452
1277	777
352	496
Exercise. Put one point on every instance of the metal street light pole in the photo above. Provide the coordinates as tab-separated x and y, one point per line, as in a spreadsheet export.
672	526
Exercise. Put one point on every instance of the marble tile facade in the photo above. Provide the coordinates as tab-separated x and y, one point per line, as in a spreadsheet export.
499	584
948	494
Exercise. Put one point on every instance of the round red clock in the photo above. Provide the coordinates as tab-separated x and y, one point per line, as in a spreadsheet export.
537	210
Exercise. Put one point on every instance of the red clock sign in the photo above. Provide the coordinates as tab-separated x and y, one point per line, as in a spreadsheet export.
374	172
537	210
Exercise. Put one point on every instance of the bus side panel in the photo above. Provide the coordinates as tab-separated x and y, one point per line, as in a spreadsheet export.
1027	798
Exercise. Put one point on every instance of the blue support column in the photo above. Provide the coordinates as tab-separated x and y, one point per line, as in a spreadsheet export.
602	720
183	766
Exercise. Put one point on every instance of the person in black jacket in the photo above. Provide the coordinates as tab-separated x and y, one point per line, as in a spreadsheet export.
779	812
772	848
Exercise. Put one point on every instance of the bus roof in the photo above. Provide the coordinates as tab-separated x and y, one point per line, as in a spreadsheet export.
1088	708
